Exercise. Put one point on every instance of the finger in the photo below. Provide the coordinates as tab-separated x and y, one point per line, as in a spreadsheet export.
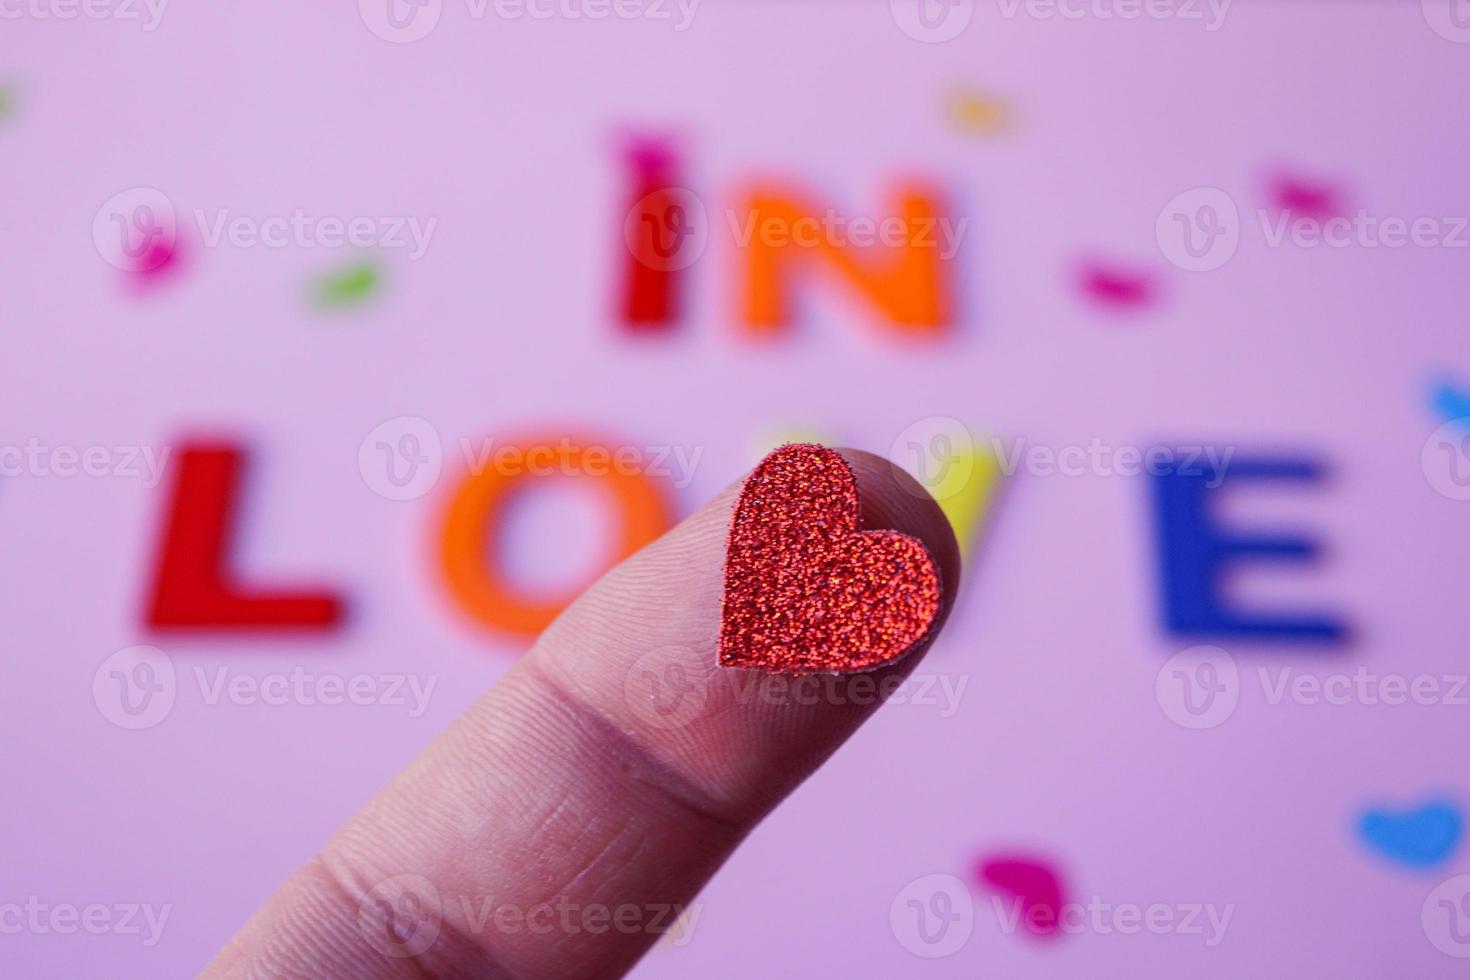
560	825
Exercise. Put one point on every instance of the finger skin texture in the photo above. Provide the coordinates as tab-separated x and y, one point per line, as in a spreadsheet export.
554	829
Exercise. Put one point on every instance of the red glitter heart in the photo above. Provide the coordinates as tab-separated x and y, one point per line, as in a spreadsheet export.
806	591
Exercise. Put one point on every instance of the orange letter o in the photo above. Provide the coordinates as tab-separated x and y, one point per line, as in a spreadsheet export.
485	590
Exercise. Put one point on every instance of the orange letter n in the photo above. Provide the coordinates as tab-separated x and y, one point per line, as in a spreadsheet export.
895	262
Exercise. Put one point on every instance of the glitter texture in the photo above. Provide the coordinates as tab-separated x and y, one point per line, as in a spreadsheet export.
807	591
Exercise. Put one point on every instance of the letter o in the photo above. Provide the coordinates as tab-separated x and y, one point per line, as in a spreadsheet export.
485	590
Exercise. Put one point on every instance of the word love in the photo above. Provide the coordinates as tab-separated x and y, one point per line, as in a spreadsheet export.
1197	551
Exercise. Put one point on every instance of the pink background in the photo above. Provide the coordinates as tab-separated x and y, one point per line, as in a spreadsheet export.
506	132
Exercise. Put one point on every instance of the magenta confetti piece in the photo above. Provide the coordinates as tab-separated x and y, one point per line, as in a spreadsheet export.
1305	198
155	266
1112	286
1032	884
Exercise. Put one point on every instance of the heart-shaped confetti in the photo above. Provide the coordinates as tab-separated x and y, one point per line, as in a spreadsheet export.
1451	401
807	591
1032	883
1421	837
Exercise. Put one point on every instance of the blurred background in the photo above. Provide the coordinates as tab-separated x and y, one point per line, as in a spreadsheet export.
1164	298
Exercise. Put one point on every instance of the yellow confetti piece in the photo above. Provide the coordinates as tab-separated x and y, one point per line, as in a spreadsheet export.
979	112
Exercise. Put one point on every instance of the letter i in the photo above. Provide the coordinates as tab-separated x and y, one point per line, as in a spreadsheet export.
650	280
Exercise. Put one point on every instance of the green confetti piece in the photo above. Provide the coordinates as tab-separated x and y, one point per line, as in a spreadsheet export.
351	286
7	102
